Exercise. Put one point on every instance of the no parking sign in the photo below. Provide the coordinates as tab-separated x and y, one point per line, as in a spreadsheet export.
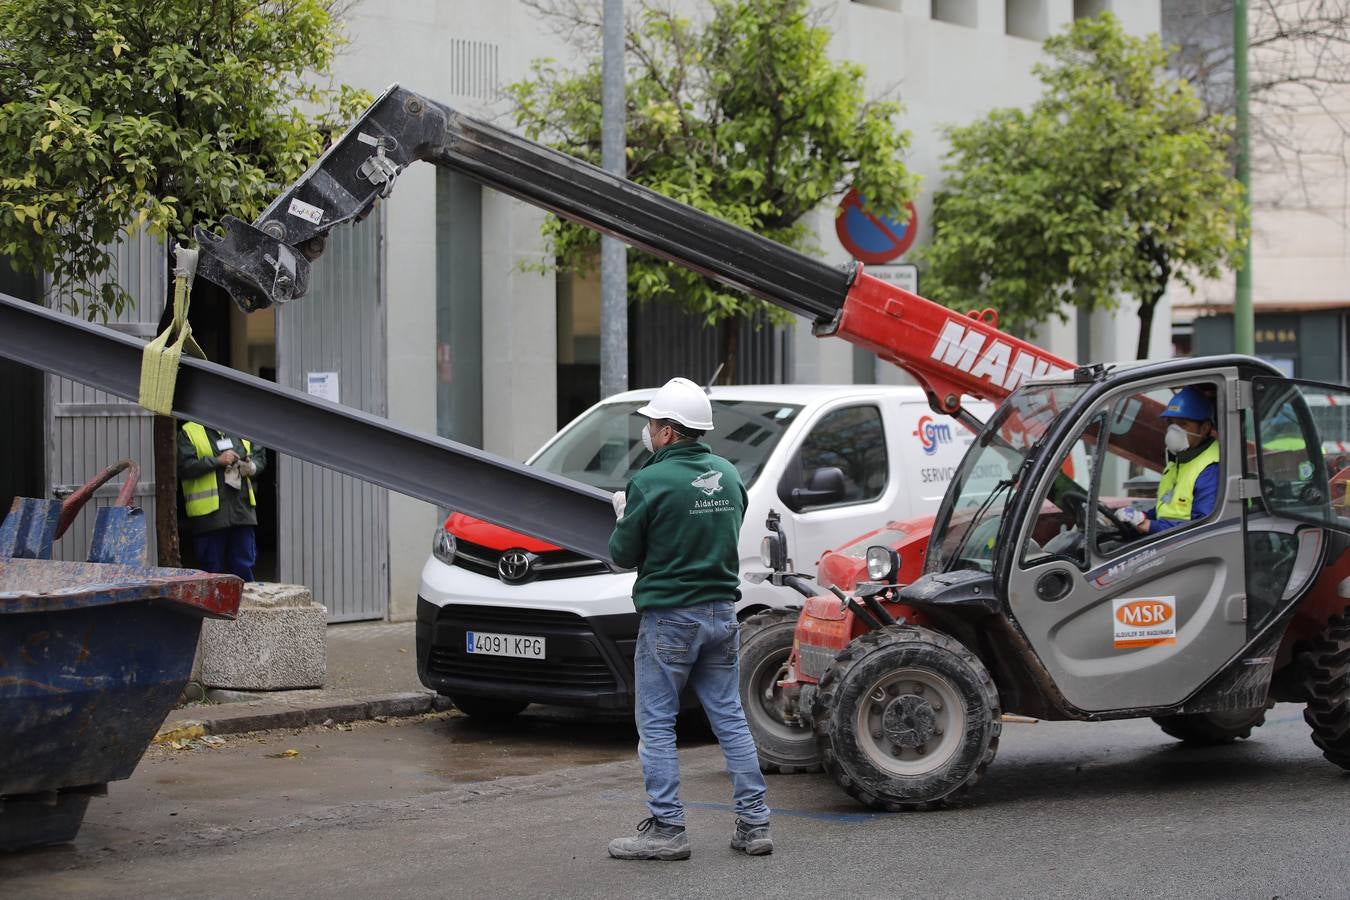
871	238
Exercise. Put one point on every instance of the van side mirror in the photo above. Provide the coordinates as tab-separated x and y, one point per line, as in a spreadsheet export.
825	486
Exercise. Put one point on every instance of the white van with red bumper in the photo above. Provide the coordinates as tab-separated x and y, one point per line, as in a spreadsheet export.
504	620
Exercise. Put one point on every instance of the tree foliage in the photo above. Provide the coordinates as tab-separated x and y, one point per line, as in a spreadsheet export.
122	114
1116	182
1298	70
742	115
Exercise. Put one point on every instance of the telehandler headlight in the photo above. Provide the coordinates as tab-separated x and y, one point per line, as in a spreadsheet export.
883	564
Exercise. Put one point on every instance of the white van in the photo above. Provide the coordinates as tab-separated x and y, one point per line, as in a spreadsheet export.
504	620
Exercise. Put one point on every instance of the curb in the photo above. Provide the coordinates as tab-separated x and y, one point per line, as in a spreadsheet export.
235	718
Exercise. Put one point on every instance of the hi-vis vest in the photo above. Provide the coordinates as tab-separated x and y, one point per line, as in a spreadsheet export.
1177	488
201	493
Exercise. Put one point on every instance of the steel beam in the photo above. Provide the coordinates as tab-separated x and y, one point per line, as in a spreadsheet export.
546	506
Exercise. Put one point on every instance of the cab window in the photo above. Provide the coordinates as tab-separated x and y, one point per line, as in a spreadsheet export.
1117	460
1133	469
1058	531
842	460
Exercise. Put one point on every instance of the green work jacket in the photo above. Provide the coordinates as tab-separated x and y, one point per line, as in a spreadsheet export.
681	528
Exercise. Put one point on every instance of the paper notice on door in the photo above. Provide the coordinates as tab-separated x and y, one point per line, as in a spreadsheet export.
1144	621
323	385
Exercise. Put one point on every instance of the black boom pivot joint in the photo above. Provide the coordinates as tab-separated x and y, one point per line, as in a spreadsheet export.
268	262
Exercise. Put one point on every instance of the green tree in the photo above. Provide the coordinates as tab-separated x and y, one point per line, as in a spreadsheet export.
121	114
124	114
742	115
1115	183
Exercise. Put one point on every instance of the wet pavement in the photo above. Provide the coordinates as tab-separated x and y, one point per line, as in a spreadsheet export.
440	806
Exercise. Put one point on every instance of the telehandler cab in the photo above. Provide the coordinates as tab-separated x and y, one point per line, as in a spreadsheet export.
1035	599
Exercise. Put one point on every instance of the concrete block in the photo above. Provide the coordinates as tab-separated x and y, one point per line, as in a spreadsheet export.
278	642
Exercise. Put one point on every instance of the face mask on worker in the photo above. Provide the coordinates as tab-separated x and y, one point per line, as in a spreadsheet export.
647	437
1176	440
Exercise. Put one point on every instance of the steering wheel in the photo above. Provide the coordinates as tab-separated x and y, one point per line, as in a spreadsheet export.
1076	503
1312	495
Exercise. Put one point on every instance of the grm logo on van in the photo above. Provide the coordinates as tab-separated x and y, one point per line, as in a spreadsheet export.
931	434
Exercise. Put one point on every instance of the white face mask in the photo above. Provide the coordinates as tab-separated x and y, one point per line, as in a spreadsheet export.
647	438
1176	440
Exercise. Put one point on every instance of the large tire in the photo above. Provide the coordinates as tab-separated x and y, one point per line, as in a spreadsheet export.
907	718
1213	728
766	643
488	709
1326	668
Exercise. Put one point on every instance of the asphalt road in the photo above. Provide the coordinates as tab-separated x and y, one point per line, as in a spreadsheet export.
440	807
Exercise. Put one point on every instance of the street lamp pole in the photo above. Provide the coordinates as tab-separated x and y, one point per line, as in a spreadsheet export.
1244	322
613	253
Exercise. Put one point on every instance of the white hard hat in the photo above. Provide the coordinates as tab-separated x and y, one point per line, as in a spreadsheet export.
683	402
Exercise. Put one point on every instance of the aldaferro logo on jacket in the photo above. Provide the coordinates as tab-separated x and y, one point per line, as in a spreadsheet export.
709	482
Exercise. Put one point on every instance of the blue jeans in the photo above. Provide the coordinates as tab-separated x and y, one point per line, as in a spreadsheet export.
696	646
232	550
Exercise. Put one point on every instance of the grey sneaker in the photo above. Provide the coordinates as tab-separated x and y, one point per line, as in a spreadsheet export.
655	840
752	839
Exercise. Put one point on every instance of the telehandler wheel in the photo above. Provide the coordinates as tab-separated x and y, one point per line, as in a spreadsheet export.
1213	728
488	709
906	718
766	642
1326	668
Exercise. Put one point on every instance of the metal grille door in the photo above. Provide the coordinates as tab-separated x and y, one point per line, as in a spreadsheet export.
333	531
89	429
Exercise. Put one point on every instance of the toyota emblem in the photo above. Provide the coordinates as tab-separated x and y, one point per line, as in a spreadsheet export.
514	566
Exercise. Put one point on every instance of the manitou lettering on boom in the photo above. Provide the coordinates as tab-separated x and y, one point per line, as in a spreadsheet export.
987	357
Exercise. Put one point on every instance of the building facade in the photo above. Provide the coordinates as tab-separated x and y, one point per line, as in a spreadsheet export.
1300	190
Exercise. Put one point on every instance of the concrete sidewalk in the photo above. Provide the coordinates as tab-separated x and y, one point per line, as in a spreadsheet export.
372	672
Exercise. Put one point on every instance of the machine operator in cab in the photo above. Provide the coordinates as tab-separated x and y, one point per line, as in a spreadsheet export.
1190	481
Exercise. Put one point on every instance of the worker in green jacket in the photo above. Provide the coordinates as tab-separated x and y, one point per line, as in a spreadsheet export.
216	472
679	525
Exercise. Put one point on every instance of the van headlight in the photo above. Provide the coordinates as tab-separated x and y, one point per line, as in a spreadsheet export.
443	546
883	564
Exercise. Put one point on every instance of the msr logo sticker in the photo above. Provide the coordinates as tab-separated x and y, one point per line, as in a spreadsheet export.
1144	621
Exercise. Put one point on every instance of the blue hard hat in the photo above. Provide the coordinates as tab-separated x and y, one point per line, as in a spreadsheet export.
1189	403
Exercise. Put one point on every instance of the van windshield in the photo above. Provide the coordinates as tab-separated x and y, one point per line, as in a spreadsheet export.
604	447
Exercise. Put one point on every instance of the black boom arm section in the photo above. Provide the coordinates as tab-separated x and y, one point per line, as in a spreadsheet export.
268	262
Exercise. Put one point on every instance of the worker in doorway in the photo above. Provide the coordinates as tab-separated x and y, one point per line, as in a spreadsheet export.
216	472
679	525
1190	480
